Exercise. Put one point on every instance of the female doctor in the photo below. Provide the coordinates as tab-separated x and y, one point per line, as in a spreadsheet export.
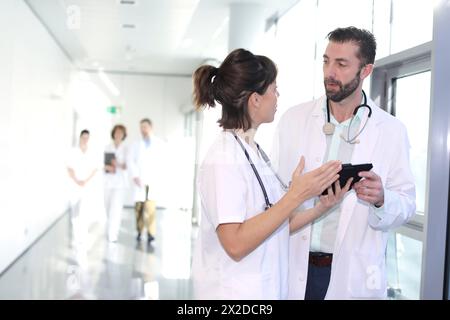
116	181
243	243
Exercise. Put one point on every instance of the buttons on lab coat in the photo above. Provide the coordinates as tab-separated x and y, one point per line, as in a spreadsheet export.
301	278
304	238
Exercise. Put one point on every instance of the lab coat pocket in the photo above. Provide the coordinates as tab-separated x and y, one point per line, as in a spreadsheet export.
367	276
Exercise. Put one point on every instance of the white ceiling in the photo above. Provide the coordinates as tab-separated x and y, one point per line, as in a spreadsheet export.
169	36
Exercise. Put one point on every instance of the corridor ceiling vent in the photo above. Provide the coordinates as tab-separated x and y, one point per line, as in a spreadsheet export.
128	2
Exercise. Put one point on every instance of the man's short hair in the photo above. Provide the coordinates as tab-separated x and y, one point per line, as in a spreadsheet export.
85	131
363	38
147	120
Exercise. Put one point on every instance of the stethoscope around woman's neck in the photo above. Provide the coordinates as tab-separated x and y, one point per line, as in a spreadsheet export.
328	127
267	161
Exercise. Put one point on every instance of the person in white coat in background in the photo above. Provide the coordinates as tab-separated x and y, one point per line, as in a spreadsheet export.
82	166
115	180
243	243
145	165
342	254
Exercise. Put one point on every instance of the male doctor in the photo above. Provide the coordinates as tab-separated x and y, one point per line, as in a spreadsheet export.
342	254
144	166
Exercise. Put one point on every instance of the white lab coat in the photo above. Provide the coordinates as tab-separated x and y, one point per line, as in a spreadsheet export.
146	163
82	163
230	193
115	186
119	179
82	201
358	268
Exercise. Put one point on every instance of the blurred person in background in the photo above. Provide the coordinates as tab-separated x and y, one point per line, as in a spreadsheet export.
115	180
82	166
144	165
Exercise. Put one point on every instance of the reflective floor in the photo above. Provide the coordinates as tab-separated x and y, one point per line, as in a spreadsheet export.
53	268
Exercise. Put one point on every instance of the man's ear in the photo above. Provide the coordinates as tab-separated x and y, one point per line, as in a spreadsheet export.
366	71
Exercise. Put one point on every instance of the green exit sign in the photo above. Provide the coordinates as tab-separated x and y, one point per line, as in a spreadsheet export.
114	109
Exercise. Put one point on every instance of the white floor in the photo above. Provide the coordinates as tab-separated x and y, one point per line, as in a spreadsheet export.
53	268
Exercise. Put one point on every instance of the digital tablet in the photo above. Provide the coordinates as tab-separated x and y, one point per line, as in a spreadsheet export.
109	157
348	171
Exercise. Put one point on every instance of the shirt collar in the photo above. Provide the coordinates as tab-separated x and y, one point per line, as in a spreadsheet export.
147	142
333	120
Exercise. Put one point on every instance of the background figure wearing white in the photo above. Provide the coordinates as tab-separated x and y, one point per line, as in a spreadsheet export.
82	166
115	181
144	166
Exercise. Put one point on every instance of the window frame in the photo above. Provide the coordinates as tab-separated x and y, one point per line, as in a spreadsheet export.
383	89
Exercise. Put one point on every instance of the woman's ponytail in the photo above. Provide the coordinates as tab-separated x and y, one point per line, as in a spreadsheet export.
204	77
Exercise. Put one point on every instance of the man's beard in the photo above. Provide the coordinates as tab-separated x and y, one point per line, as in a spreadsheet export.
344	90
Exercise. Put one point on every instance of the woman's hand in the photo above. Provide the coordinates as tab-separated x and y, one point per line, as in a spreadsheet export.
331	199
311	184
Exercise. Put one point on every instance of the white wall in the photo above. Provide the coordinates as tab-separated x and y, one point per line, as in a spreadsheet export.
155	97
35	126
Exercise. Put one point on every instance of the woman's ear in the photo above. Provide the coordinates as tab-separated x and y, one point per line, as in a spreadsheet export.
253	100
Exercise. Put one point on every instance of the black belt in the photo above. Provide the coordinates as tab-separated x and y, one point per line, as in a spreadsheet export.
320	259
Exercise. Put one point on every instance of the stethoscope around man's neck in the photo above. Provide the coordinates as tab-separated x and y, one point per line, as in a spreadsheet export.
328	127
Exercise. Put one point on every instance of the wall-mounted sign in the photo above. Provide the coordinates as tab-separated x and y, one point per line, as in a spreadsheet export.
114	109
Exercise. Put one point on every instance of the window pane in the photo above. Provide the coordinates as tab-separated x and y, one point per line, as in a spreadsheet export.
293	53
412	24
404	261
382	27
334	14
412	107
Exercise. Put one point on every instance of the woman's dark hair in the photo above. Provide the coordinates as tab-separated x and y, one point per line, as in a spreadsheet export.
239	75
119	127
85	131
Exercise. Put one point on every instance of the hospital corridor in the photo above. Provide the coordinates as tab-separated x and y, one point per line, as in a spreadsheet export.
55	268
224	150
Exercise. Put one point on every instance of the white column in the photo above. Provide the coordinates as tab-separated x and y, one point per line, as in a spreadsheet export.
247	24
